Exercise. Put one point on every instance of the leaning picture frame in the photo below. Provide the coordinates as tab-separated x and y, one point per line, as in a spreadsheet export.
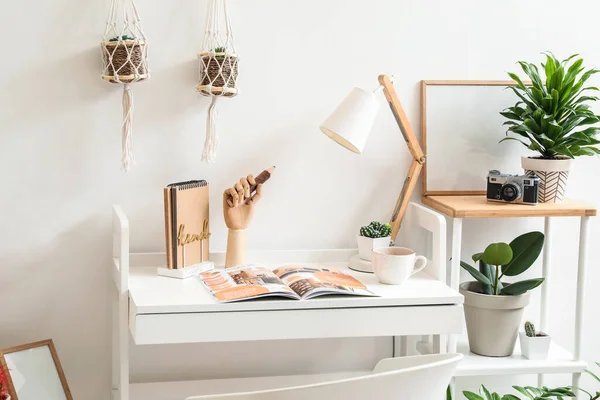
461	126
33	371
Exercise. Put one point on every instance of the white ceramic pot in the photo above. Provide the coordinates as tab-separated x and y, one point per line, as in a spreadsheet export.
366	245
553	176
535	348
492	321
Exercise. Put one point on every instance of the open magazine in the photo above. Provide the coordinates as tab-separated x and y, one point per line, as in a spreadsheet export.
293	281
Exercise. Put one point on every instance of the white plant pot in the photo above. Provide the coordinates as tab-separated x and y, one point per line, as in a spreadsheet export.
492	321
553	176
366	245
534	348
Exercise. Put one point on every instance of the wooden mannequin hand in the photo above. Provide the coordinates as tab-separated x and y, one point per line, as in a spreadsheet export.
238	216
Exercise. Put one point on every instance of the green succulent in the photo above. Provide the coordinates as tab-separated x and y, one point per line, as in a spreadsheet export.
551	109
530	329
376	230
502	259
124	37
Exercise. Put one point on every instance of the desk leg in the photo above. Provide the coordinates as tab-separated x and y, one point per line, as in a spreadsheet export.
440	344
455	269
400	346
123	344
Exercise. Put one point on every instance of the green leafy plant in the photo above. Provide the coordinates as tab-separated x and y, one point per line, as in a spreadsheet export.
124	37
501	259
221	49
550	110
593	395
532	393
376	230
530	329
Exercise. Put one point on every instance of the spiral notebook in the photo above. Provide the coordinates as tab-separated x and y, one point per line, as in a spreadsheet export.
186	223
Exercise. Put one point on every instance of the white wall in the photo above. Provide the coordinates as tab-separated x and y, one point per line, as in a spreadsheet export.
60	152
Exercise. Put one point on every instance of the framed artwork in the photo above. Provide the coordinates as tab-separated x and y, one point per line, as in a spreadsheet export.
33	372
461	127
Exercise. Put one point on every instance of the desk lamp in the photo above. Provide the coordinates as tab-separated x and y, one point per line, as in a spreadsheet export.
350	125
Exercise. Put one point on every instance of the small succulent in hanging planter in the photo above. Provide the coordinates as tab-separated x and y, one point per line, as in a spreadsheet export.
372	236
125	61
218	72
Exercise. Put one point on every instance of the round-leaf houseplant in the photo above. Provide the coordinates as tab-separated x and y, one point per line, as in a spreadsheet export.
372	236
493	307
553	117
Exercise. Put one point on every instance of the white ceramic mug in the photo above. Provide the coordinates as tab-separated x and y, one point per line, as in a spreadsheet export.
394	265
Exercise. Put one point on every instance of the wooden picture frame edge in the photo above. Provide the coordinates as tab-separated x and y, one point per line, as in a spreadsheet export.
424	84
26	346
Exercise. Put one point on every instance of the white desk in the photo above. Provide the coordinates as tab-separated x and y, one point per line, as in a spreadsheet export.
159	310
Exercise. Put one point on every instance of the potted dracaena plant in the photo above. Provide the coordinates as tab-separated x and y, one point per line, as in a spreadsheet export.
493	307
373	236
534	344
553	117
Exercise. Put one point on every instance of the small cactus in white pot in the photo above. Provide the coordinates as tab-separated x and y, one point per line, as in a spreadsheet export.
373	236
534	345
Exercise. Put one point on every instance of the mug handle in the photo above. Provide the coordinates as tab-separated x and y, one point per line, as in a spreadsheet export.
422	260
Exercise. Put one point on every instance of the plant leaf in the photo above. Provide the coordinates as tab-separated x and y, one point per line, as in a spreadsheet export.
477	256
489	272
526	249
521	287
475	273
497	254
472	396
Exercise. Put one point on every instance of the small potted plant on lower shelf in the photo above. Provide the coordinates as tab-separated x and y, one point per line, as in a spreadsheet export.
493	307
534	345
371	237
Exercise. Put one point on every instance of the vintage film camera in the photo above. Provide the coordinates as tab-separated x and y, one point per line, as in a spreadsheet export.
507	188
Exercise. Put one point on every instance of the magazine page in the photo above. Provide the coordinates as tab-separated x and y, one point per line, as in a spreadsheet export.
245	282
309	282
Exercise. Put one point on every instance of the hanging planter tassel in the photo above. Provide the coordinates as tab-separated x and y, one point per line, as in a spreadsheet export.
124	61
218	69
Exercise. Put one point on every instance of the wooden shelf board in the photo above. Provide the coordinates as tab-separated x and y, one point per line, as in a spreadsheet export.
478	207
559	361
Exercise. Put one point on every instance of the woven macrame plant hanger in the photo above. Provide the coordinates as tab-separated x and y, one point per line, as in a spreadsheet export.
218	69
124	61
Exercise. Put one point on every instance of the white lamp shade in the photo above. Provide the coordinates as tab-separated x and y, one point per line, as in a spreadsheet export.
351	122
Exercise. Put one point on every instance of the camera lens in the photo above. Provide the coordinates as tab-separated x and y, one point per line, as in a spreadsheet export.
510	192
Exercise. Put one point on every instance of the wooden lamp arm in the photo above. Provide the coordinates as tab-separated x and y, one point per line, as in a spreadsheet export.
414	148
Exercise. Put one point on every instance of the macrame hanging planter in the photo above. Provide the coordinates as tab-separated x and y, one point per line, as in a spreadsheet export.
218	69
124	61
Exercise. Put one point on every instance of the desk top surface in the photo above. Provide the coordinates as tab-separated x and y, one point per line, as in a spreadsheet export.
153	294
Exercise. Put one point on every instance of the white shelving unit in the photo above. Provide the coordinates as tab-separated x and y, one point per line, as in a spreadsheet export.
155	309
559	359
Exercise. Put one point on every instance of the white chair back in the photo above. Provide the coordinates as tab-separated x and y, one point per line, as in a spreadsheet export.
402	378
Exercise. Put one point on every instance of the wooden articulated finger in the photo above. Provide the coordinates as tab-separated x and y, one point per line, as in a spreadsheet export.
246	187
